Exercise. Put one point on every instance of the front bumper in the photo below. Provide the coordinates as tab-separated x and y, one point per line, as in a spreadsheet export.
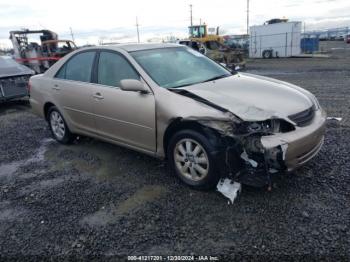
301	145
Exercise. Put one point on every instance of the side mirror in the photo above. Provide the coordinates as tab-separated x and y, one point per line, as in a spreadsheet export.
133	85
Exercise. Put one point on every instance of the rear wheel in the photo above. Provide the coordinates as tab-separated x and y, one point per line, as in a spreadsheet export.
189	154
58	127
267	54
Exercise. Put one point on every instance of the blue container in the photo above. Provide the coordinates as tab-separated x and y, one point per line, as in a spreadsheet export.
309	45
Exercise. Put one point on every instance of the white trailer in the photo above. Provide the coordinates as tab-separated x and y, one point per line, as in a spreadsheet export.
275	40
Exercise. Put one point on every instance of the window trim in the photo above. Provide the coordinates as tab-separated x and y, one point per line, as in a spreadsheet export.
97	61
66	62
63	67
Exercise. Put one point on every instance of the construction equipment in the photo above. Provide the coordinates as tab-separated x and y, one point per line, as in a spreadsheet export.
212	45
200	33
39	56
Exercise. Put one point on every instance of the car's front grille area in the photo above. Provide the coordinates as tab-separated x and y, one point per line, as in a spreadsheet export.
303	118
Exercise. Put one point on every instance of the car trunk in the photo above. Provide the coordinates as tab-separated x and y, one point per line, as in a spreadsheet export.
13	79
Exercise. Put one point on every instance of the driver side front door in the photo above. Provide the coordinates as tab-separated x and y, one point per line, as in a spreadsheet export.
124	116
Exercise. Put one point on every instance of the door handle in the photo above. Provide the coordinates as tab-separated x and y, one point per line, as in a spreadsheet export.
56	87
98	96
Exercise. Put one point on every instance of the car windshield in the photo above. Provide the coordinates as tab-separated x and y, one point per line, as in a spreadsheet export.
178	66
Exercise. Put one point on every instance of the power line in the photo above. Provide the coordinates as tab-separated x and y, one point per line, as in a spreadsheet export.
71	33
137	29
191	15
247	17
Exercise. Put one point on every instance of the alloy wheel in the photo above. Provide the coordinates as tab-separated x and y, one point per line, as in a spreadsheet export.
191	160
57	125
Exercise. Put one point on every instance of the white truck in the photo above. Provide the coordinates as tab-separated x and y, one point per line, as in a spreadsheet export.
281	39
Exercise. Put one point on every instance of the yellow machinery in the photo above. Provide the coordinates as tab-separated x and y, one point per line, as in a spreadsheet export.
199	33
212	45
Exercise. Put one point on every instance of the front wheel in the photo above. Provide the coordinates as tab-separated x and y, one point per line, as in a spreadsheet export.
59	127
189	154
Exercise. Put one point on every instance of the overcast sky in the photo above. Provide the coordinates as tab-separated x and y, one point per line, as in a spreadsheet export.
115	20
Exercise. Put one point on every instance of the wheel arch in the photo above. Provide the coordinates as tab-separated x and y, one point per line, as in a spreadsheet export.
179	124
46	108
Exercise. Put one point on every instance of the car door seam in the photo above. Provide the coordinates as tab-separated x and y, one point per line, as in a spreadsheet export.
109	118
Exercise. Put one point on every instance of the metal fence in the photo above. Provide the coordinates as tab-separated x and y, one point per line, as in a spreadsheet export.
329	34
290	44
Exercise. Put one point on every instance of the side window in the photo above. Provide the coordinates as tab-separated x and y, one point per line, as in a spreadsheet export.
112	68
78	68
62	72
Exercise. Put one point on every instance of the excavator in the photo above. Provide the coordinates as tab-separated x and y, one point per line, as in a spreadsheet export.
39	56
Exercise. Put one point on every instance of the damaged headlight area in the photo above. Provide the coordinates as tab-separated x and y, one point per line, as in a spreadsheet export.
266	127
249	161
245	156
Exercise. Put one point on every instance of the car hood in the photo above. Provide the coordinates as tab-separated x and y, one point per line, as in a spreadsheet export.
254	98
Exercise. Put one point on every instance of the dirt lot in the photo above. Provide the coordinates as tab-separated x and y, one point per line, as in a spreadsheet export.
95	199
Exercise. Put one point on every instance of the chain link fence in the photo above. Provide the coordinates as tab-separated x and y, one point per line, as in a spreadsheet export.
270	42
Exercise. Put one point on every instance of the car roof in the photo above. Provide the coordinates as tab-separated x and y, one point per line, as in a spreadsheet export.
56	41
137	47
131	47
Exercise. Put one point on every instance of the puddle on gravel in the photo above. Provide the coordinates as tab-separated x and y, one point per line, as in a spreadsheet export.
44	184
7	170
99	159
111	213
11	214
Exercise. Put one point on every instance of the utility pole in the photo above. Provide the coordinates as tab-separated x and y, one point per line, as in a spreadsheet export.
137	29
191	14
247	17
71	33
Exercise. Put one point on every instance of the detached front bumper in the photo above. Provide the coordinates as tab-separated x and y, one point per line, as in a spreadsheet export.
298	146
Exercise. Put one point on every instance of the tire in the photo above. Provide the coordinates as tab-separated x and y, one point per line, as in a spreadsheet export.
192	162
58	126
267	54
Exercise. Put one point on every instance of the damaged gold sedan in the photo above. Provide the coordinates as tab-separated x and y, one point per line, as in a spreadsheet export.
172	102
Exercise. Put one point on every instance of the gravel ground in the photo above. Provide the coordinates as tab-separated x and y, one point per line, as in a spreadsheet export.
93	199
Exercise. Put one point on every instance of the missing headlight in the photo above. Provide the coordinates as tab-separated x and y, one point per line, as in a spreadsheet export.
285	126
270	126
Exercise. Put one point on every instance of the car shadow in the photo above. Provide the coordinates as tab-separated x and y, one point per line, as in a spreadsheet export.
15	105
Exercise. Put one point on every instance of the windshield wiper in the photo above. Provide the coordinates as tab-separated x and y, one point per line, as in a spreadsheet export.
216	78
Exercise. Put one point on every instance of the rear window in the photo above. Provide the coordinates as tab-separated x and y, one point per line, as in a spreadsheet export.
78	68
